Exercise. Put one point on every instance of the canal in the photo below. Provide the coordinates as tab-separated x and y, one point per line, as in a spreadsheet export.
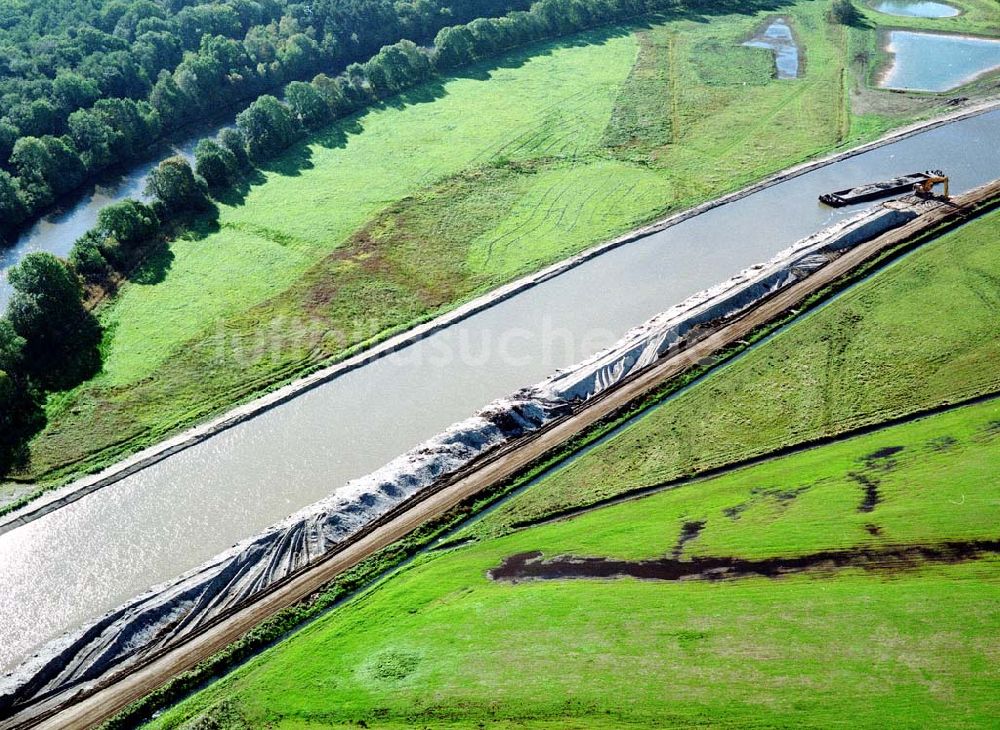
70	566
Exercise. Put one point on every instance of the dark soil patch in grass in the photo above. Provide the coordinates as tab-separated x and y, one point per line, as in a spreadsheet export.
882	459
735	511
782	496
870	487
890	559
689	531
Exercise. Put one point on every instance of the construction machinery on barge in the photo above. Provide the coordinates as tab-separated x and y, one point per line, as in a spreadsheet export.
921	183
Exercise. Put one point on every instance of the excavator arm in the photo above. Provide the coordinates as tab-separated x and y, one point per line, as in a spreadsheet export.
926	187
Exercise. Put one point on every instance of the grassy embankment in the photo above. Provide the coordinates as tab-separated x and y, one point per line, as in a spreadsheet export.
409	209
439	644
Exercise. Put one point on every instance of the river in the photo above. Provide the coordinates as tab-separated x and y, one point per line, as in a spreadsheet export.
59	230
73	564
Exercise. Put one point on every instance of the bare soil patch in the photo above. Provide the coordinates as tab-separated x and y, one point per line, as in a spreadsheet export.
888	559
689	531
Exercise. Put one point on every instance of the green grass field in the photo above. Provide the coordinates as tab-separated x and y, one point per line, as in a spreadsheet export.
407	210
439	644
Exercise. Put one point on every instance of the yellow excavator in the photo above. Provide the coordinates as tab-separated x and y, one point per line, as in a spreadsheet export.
925	188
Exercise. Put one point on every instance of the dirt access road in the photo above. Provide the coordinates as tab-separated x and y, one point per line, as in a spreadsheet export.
113	693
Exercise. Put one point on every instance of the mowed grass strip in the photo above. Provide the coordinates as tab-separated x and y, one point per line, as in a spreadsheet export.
410	209
922	332
439	644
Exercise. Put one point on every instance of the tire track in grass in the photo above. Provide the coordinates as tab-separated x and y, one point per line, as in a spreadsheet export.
531	144
569	106
532	128
613	199
546	216
603	199
593	193
762	123
526	221
672	89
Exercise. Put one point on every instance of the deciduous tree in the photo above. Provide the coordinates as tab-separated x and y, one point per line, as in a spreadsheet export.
46	309
268	127
129	222
844	12
307	105
213	162
234	141
174	184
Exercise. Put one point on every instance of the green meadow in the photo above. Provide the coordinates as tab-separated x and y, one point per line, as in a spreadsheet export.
898	633
394	216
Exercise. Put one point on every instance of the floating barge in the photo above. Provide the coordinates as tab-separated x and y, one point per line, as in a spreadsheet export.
874	191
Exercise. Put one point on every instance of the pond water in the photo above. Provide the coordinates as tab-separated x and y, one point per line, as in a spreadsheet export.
920	9
937	61
777	36
71	565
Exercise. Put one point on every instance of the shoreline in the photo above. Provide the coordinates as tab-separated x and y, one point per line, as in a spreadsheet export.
52	499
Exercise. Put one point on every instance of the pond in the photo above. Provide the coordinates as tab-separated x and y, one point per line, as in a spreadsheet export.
919	9
777	36
937	61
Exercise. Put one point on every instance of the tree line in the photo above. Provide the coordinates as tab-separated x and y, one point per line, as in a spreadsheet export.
79	98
